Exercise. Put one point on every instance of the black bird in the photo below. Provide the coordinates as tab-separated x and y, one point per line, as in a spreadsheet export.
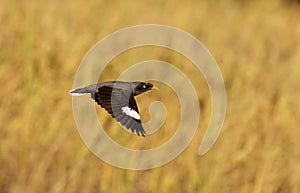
117	98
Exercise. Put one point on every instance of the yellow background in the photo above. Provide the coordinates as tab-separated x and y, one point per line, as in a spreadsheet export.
255	43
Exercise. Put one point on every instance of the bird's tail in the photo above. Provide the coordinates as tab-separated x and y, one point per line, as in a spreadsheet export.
83	91
78	92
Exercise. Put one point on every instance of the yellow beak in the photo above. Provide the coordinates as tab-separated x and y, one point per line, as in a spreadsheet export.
154	88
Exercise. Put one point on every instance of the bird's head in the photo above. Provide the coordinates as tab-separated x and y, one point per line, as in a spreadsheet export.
140	87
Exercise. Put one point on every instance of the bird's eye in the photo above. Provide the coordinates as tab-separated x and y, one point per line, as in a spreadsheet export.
144	86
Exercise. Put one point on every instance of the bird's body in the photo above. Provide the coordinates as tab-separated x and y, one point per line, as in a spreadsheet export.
117	98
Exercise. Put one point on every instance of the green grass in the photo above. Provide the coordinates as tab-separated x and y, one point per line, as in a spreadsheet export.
257	46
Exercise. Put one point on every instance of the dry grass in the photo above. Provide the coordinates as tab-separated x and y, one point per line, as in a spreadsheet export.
257	46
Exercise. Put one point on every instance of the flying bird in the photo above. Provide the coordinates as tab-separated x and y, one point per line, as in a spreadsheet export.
117	98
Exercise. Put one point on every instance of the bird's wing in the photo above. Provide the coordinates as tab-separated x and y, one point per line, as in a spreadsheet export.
121	105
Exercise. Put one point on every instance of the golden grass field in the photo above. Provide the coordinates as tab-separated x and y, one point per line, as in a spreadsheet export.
257	47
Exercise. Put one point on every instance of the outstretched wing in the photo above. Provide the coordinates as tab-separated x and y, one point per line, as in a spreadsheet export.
121	105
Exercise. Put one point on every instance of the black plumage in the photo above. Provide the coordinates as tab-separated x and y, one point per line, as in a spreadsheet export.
117	98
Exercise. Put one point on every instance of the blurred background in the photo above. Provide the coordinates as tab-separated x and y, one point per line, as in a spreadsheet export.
256	44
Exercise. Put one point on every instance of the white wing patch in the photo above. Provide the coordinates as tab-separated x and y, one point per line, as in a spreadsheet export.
130	112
